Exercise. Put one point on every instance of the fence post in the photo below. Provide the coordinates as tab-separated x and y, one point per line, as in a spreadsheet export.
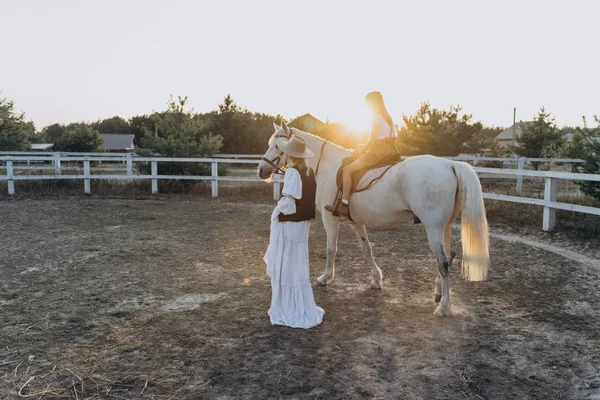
154	175
276	187
11	182
129	168
215	182
86	177
520	166
57	170
549	213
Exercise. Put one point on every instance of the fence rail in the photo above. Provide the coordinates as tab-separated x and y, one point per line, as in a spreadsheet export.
12	164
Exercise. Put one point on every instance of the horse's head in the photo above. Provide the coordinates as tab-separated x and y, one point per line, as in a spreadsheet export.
274	159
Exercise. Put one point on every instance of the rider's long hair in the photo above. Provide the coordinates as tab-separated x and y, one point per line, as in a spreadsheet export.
298	163
375	100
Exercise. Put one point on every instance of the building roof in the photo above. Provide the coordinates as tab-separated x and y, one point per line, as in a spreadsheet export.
507	134
308	115
118	141
42	146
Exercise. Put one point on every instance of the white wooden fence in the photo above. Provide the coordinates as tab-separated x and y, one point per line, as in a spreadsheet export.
14	163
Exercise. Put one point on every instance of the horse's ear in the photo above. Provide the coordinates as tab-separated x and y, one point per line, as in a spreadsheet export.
275	126
285	126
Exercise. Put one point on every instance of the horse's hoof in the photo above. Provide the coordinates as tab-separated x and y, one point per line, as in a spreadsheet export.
321	281
375	285
438	298
443	311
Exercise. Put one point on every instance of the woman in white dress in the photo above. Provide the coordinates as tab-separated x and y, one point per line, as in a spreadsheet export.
292	302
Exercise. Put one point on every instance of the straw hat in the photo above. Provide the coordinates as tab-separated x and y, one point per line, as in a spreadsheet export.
295	147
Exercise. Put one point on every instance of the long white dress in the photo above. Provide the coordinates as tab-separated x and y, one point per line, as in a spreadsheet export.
292	302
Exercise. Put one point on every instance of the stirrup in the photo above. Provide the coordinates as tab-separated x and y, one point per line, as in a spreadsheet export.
339	209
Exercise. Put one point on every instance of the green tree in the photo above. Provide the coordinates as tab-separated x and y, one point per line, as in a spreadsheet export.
112	125
79	137
440	132
228	122
15	132
243	131
180	133
54	131
539	137
590	153
140	124
489	133
578	144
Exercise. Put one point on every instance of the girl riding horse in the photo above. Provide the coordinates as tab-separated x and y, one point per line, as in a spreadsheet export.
380	148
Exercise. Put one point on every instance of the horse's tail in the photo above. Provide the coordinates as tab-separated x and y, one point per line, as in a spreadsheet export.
474	230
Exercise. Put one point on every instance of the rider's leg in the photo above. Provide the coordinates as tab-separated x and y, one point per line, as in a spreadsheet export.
341	209
347	185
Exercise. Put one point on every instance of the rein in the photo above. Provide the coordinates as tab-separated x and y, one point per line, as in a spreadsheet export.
272	162
277	159
320	156
279	170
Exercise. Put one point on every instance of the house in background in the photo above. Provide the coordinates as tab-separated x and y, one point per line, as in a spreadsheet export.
118	142
507	136
42	147
307	123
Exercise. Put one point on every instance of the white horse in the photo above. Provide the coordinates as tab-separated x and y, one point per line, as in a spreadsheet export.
432	188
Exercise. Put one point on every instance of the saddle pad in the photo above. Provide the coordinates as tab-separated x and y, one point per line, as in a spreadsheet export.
363	178
370	176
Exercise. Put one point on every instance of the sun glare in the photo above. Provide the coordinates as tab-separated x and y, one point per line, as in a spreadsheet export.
359	121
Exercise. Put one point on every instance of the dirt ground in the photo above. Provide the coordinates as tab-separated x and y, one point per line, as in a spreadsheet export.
168	299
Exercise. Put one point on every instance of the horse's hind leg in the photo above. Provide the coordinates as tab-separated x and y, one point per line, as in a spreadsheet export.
449	248
435	237
331	225
448	241
365	246
438	288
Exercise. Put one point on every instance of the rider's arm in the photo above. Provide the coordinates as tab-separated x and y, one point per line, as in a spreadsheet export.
374	132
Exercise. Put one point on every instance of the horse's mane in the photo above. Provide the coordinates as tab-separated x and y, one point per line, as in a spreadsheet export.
319	138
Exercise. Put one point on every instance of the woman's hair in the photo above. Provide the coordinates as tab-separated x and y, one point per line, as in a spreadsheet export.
299	163
375	99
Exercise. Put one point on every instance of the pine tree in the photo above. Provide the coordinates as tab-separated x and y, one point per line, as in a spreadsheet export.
591	156
440	132
538	137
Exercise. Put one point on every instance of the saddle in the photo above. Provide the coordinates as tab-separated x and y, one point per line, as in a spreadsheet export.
364	178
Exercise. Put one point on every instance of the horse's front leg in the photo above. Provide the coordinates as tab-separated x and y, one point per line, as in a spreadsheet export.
363	240
331	224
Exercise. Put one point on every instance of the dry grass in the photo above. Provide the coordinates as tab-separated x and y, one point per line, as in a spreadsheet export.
137	189
527	219
513	216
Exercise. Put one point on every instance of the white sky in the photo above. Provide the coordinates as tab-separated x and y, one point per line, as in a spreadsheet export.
64	61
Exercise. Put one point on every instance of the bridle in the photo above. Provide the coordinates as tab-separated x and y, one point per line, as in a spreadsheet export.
277	159
279	170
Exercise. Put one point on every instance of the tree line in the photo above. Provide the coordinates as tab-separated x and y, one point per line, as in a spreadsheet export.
178	131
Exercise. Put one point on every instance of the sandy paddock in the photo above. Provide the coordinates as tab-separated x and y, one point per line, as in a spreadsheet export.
168	298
